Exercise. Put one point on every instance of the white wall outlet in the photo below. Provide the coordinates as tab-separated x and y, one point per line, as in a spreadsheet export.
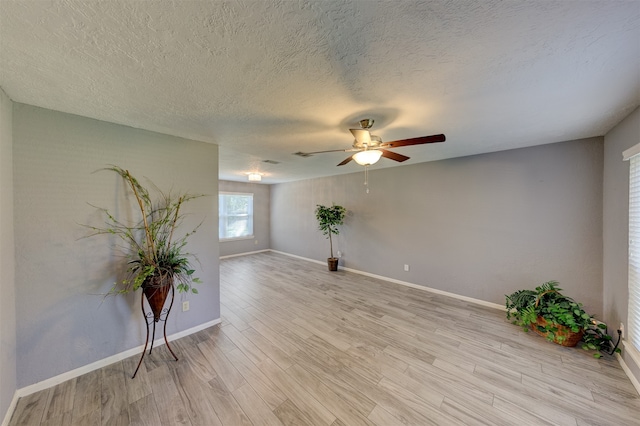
255	242
406	268
185	306
622	330
339	253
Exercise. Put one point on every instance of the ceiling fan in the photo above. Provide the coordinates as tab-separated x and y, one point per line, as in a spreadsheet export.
369	148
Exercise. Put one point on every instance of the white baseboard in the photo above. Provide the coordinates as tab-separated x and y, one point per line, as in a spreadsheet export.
53	381
633	353
405	283
302	258
628	372
243	254
12	407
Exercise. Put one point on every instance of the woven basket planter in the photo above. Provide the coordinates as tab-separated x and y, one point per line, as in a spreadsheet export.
564	336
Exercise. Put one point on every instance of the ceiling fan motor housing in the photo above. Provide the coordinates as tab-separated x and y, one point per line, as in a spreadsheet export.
366	123
374	141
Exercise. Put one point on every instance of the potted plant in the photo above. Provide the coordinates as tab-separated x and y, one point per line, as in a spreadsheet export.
557	317
328	220
157	257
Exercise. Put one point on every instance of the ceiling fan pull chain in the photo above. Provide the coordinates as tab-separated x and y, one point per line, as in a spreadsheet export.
366	177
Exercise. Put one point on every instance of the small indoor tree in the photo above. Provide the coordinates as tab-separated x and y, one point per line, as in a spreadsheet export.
328	220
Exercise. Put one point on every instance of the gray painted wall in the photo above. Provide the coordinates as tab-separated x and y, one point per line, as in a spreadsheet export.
8	381
616	224
480	226
261	218
62	320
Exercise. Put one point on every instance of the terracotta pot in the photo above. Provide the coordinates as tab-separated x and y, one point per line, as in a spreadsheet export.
156	289
568	337
332	262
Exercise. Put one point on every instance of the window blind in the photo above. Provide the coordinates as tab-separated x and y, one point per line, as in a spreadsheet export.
235	215
633	319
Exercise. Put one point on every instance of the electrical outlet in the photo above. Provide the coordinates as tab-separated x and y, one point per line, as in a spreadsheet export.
255	242
622	330
185	306
339	253
406	268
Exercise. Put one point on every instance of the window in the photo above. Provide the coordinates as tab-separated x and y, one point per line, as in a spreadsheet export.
633	319
235	211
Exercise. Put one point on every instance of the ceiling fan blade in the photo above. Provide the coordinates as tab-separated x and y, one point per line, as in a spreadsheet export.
362	136
345	161
415	141
321	152
307	154
393	155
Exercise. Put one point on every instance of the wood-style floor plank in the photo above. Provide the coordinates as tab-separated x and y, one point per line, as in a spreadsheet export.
87	400
263	385
30	409
60	402
299	345
225	405
171	408
255	407
224	369
195	394
64	419
297	394
143	412
114	402
139	387
331	399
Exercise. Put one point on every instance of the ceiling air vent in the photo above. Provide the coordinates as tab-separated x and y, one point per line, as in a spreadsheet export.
271	161
302	154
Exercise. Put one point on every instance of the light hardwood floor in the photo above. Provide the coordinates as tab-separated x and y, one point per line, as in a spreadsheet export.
299	345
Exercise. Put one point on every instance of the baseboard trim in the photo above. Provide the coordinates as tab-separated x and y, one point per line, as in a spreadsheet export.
56	380
628	372
405	283
243	254
632	351
302	258
12	407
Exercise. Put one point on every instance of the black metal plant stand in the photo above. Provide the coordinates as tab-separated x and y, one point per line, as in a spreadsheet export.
150	319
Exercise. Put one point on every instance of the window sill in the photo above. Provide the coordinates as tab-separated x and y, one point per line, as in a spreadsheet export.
225	240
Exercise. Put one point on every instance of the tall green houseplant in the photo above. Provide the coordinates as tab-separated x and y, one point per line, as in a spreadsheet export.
329	218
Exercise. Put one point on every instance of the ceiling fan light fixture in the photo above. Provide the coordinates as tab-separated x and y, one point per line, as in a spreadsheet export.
254	177
368	157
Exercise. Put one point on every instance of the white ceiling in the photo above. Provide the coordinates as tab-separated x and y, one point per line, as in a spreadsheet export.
264	79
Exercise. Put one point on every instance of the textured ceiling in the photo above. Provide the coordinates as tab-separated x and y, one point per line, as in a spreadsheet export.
264	79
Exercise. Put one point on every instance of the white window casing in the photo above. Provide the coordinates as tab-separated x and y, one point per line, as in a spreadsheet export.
235	216
633	316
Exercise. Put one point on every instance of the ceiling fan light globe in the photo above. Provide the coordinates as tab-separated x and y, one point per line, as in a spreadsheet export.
254	177
367	158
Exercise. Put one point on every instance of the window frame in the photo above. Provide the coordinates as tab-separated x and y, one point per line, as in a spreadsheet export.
631	342
251	215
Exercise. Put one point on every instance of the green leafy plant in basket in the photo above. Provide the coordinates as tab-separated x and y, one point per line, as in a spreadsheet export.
557	317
